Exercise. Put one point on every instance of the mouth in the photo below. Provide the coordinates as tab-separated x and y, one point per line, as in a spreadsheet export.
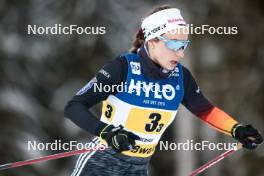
173	62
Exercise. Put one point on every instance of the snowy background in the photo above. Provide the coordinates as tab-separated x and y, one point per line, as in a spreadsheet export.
39	73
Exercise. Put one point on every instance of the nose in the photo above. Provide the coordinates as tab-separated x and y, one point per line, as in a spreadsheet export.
180	53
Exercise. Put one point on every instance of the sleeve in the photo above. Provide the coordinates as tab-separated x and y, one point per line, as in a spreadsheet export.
77	109
195	102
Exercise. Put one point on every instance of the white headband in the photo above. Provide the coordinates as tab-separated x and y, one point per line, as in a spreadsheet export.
161	22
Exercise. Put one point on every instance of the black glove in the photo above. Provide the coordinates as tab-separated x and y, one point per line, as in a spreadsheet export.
247	135
118	138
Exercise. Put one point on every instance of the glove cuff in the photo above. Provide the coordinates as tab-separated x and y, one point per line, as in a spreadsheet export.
234	128
105	130
109	131
100	127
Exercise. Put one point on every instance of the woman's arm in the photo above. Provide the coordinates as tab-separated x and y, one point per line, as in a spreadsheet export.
215	117
77	109
195	101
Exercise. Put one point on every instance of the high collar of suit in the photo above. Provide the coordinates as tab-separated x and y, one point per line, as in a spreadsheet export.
150	69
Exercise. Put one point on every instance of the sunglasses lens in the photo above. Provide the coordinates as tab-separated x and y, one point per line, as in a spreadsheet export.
176	45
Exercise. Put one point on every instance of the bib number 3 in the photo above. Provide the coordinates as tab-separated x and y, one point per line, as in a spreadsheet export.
108	112
154	124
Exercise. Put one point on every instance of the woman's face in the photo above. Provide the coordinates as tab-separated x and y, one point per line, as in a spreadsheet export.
161	54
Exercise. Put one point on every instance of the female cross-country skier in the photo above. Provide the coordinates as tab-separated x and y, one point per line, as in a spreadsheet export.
154	84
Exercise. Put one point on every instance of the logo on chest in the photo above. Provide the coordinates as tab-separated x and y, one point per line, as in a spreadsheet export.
152	90
135	68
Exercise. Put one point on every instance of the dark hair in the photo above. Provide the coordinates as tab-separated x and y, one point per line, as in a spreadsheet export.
139	39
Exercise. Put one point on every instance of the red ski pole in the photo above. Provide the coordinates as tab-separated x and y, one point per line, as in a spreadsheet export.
215	160
49	157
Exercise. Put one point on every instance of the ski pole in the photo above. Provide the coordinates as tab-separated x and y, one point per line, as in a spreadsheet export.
49	157
216	160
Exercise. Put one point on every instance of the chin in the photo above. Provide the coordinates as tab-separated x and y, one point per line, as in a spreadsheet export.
170	68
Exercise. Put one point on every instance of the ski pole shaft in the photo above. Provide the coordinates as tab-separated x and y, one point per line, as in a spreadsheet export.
47	158
215	160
